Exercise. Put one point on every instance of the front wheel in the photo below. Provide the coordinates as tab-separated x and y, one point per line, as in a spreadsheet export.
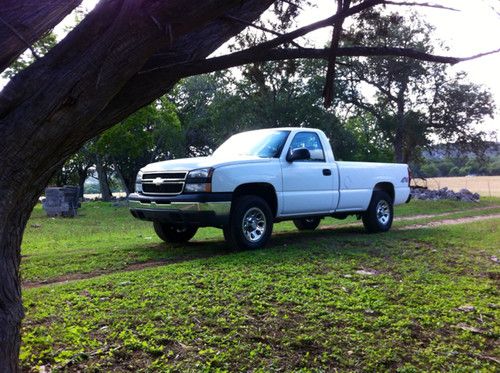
174	233
251	223
306	224
378	217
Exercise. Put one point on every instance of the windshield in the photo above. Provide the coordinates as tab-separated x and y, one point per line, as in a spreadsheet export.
263	144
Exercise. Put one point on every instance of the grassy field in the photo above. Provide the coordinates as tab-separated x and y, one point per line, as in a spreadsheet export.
337	298
487	186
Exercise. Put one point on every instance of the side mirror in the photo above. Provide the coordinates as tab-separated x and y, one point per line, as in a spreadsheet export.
298	154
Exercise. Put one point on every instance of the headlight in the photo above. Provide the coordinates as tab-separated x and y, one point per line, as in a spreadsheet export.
138	182
199	181
202	173
198	187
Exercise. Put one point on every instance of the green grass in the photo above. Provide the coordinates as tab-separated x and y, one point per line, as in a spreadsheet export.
283	307
299	305
106	238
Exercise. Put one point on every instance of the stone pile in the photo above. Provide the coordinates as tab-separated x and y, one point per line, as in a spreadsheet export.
445	193
61	201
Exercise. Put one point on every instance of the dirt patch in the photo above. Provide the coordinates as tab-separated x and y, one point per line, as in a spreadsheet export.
426	216
421	216
129	268
450	222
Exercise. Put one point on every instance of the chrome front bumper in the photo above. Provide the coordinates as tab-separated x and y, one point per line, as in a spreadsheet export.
219	208
200	214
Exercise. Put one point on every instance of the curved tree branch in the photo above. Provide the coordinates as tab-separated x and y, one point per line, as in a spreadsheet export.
23	22
425	5
236	59
328	90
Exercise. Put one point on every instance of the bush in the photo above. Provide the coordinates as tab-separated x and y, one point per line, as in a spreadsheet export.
445	167
429	170
455	171
494	168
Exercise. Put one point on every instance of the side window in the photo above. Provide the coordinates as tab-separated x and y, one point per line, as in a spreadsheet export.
311	142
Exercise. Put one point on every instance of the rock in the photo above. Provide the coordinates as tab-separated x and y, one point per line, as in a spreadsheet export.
367	272
444	193
469	328
466	308
61	201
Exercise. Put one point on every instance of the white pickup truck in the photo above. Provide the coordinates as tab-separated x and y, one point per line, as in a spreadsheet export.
260	177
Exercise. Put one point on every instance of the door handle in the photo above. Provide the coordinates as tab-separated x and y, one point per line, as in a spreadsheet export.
327	171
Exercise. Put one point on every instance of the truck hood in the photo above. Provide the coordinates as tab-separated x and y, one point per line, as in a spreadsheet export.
188	164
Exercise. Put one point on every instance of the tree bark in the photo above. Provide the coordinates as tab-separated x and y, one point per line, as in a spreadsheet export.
14	214
82	176
22	22
103	180
400	123
127	186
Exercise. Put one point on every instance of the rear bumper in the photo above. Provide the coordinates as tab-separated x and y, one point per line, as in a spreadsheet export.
203	209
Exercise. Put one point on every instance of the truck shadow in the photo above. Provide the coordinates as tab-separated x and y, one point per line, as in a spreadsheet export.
217	246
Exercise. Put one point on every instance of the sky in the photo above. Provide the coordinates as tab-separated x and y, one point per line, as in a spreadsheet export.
474	29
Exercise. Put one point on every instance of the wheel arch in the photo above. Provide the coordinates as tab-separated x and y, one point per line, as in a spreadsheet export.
265	191
387	187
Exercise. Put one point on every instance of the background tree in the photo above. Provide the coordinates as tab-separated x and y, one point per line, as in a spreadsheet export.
410	93
76	169
151	134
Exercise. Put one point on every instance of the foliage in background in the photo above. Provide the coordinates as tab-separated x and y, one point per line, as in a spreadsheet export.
460	166
151	134
40	48
416	103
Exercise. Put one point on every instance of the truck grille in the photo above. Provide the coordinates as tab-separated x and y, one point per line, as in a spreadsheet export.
163	182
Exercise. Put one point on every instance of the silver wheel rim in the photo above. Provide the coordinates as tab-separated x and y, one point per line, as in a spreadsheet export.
177	229
383	212
254	224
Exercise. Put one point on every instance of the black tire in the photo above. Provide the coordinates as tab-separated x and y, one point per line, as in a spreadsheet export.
174	233
378	217
306	224
227	233
255	231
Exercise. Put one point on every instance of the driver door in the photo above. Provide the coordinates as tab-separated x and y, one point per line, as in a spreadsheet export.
307	184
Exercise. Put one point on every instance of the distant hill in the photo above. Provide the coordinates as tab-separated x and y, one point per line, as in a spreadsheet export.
439	152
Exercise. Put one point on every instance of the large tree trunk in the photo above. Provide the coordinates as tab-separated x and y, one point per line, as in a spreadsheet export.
50	109
14	214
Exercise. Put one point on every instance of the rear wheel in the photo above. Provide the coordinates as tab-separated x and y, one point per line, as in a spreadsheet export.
174	233
251	223
378	217
306	224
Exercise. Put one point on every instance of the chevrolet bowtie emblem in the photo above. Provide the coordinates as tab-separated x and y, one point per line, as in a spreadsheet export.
158	181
